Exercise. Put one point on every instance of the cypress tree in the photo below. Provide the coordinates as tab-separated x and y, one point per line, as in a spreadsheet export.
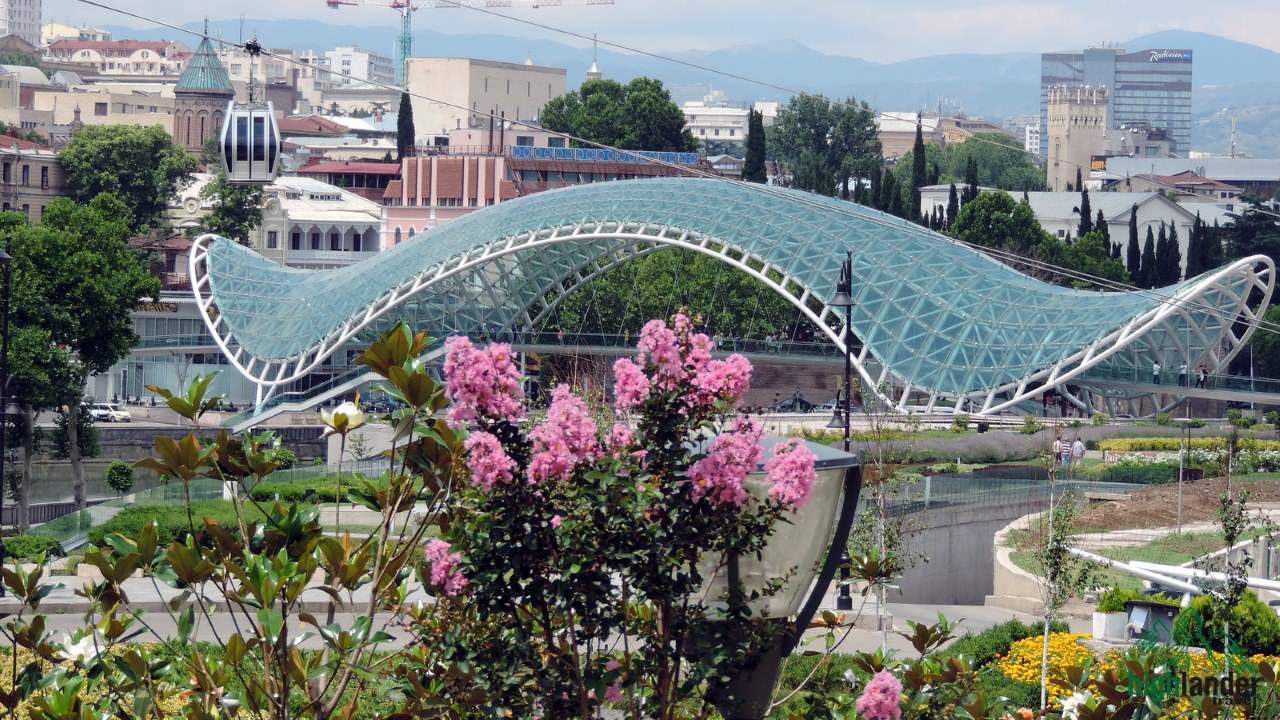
1212	247
1116	251
934	173
404	127
953	206
875	194
1100	224
1194	250
1133	253
1149	272
892	194
1086	213
753	169
919	172
1174	259
971	180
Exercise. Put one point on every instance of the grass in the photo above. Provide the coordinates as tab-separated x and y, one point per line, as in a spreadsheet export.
1168	550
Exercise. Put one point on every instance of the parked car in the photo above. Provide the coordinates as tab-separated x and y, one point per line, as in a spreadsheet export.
793	405
109	412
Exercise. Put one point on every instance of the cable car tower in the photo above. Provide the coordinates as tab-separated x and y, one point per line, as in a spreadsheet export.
250	141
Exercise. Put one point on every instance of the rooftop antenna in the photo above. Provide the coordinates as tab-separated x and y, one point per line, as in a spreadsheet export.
240	39
1233	136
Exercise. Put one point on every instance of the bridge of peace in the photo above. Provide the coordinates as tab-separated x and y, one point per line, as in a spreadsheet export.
938	326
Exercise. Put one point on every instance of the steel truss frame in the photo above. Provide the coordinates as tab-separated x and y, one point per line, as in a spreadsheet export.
1254	275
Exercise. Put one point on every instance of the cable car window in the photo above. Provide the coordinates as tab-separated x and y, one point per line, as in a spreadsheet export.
259	138
242	138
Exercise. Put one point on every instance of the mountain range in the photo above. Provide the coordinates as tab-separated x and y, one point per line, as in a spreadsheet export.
1232	79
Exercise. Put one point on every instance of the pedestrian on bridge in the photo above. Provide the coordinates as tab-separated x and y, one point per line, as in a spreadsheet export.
1182	374
1202	374
1155	372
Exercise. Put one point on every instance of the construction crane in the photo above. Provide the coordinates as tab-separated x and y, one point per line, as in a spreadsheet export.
406	8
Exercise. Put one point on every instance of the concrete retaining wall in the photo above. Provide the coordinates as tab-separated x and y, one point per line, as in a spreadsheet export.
958	543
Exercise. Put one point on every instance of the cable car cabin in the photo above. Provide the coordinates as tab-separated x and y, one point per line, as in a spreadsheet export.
250	144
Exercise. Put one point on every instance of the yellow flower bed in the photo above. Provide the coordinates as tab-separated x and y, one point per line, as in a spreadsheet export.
1022	662
1174	443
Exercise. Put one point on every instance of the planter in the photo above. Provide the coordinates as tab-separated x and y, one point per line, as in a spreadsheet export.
798	545
1110	626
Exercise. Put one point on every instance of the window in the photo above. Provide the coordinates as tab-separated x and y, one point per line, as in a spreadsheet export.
397	236
272	240
315	239
731	131
412	232
486	84
717	132
524	141
335	241
26	174
26	210
1061	233
295	240
44	176
100	109
356	243
556	142
530	89
7	174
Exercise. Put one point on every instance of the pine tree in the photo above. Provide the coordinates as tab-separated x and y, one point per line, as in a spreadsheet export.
1194	249
753	169
1086	214
919	171
1174	259
953	206
1100	225
875	194
1150	275
404	127
971	180
1133	253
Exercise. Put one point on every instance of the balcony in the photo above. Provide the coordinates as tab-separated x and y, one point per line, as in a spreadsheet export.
327	257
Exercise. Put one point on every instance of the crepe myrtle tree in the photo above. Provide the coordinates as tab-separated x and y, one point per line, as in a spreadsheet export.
550	567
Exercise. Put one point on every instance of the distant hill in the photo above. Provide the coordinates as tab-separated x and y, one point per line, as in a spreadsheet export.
1239	77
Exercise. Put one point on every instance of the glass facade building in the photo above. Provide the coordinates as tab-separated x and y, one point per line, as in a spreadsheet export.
1147	88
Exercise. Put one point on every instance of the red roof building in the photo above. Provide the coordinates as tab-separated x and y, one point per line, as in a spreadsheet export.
367	179
310	126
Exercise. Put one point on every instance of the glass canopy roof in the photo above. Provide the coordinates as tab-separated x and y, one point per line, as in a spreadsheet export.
937	314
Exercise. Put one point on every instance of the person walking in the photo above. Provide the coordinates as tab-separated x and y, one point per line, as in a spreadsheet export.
1155	372
1064	455
1202	374
1077	451
1057	448
1182	374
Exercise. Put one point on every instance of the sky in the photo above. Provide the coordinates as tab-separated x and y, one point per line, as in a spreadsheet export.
879	31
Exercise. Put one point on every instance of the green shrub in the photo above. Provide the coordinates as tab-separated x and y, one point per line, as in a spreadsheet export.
1237	418
1130	472
984	647
1273	419
29	547
1174	443
296	490
171	520
285	458
1164	419
1113	600
1101	419
1030	425
119	477
960	423
995	684
1195	423
1254	626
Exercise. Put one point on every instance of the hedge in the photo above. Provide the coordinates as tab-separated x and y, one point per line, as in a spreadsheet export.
1113	600
171	520
29	547
984	647
296	490
1255	629
1137	444
1127	472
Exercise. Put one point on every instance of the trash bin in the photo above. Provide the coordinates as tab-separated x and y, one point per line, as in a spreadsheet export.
983	427
1151	621
1192	474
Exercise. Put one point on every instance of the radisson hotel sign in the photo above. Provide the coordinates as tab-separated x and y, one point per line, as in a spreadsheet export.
1157	56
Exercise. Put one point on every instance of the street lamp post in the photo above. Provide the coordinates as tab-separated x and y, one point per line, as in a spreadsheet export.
844	420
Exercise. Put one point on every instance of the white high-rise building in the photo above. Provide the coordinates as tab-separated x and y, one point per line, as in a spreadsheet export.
21	18
360	65
1031	138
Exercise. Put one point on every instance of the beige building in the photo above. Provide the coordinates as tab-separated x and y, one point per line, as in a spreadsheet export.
30	177
121	57
91	107
483	86
21	18
52	32
1077	131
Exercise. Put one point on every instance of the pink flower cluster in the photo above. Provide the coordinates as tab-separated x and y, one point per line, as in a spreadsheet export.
620	440
565	440
719	476
881	698
489	464
630	385
481	383
670	356
791	472
659	347
444	568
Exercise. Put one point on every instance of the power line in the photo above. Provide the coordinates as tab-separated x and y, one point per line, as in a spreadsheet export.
898	224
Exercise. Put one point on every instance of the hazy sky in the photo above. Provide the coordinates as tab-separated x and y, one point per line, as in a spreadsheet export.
881	31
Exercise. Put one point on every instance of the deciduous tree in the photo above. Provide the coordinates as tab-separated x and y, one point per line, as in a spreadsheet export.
237	208
141	166
637	116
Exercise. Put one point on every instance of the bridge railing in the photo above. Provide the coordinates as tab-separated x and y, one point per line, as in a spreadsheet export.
1171	377
956	490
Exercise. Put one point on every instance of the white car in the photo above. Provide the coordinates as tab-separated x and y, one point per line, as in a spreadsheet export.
109	412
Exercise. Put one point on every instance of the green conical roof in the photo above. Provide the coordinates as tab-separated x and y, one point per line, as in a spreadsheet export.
205	73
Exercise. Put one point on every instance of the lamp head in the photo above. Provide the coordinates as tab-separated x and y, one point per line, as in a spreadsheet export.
837	421
842	297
